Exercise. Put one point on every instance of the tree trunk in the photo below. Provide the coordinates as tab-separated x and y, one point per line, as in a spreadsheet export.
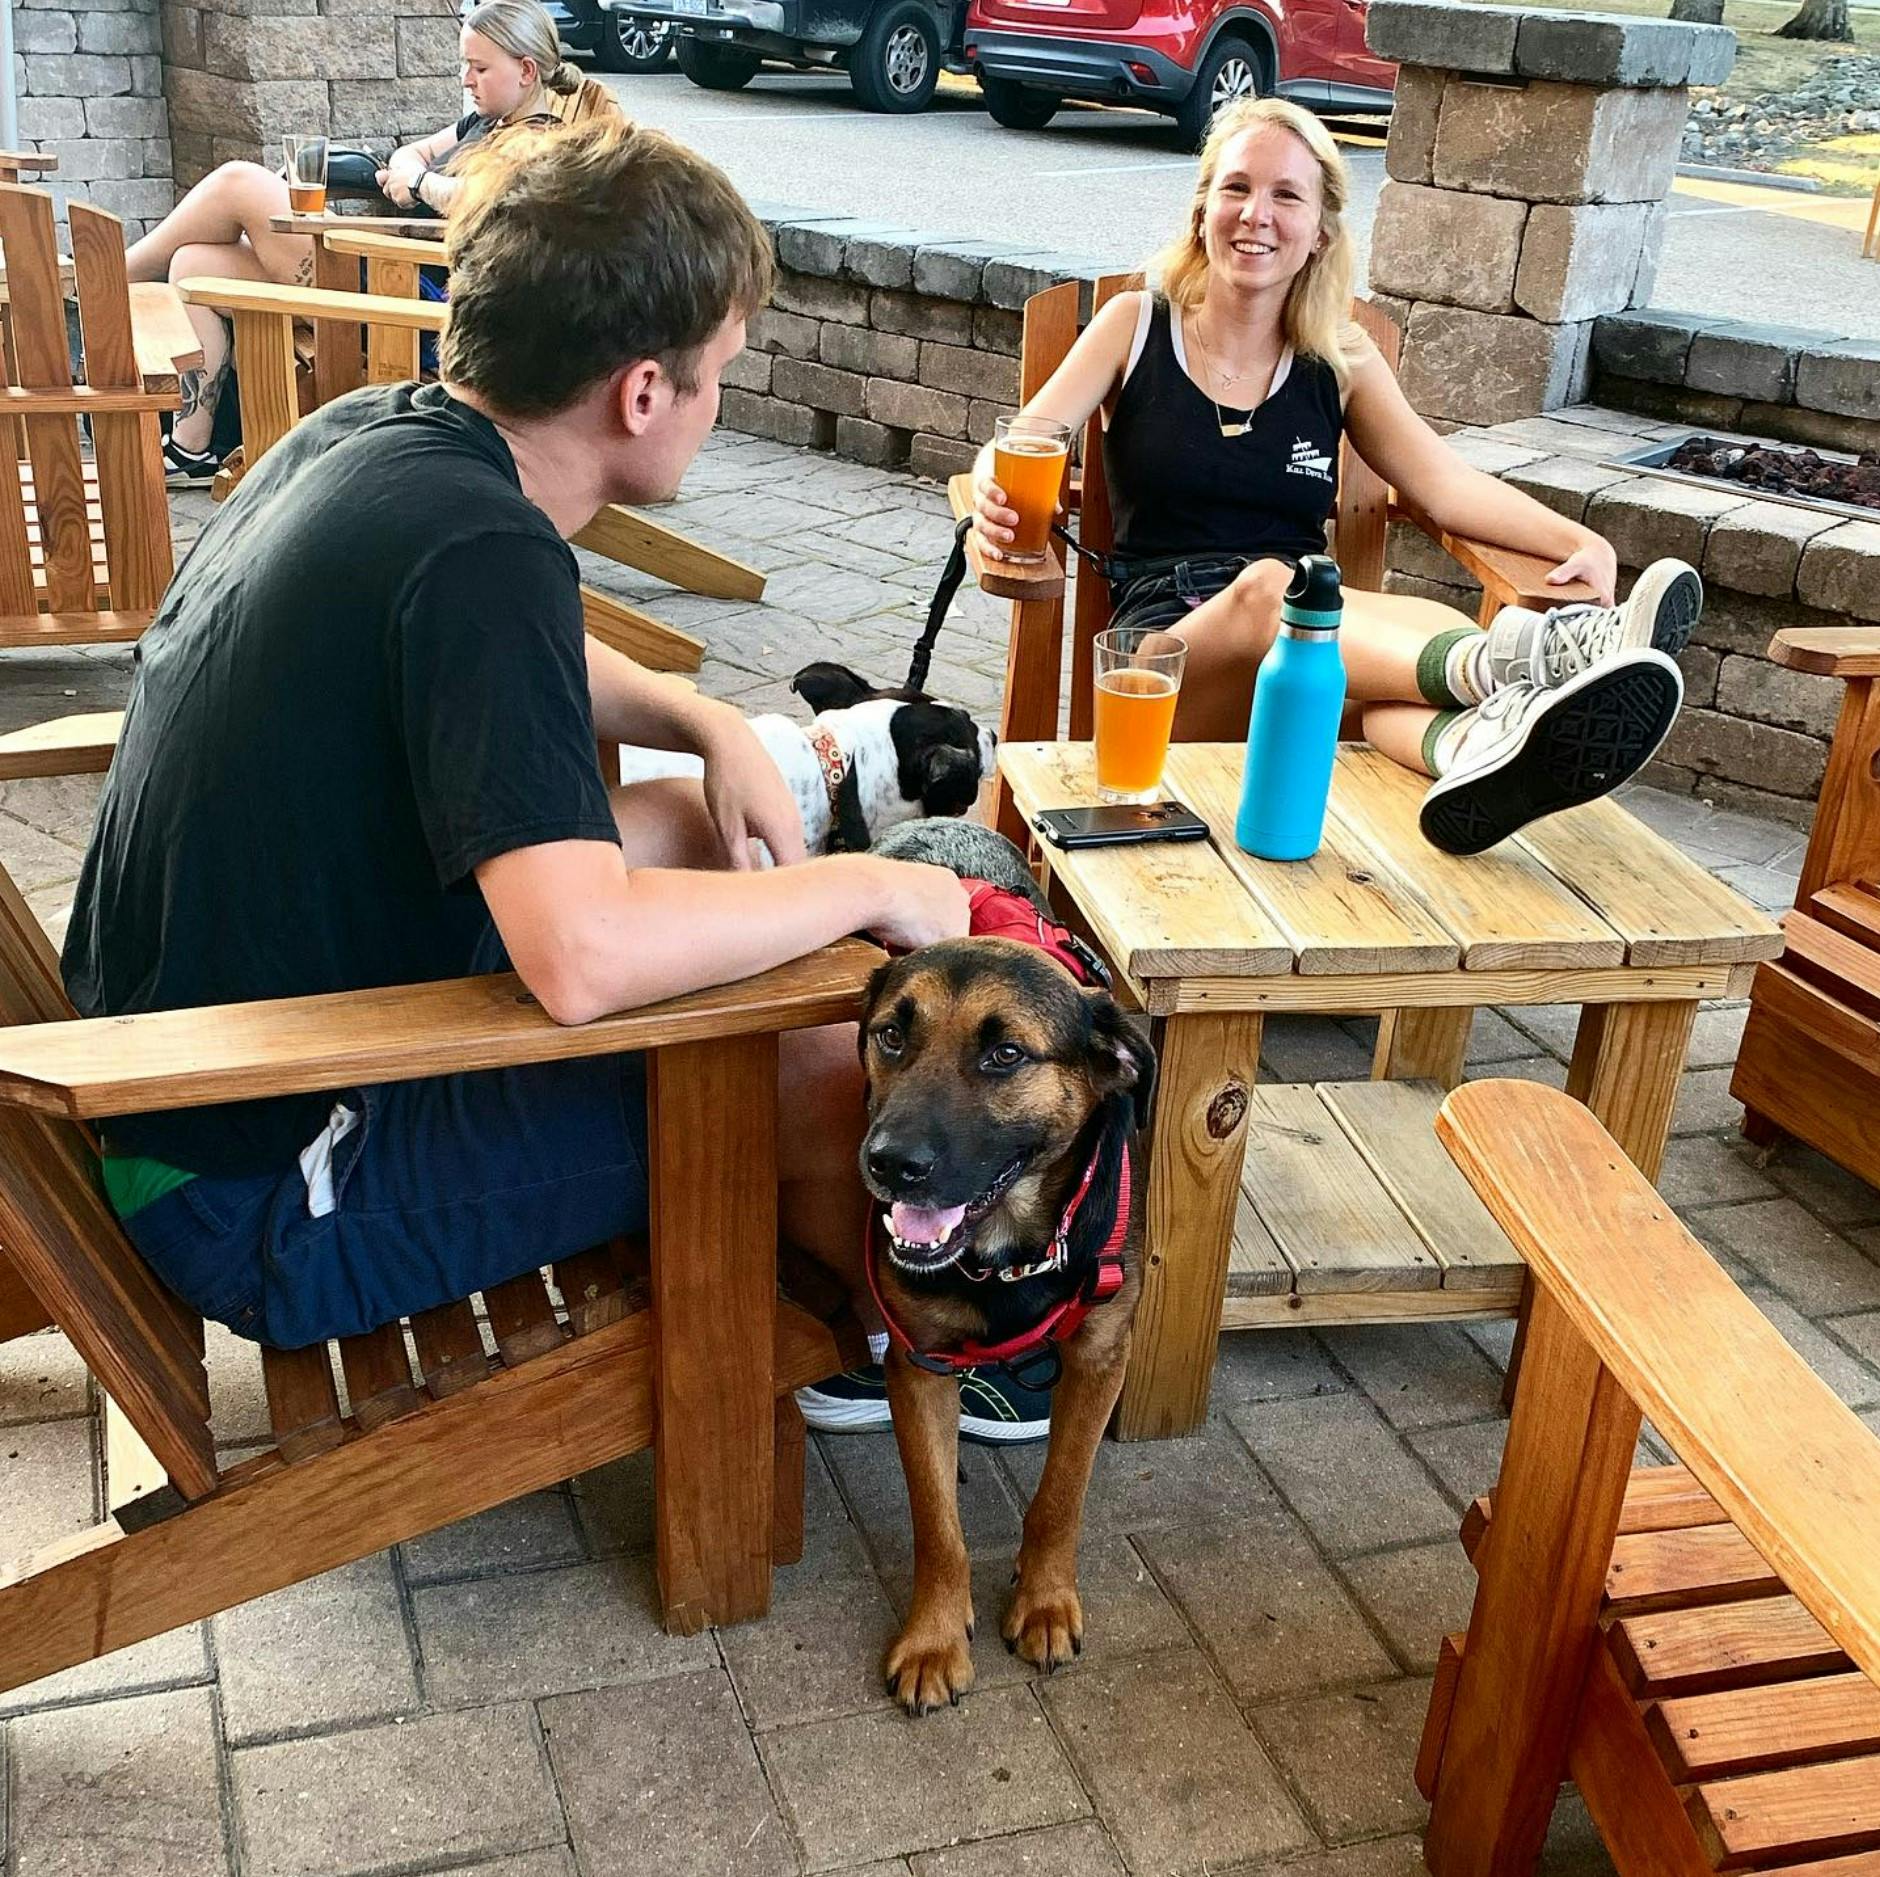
1819	19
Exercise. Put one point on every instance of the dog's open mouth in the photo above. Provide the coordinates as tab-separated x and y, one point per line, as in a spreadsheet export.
929	1238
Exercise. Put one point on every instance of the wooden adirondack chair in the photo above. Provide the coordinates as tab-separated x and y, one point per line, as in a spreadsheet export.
680	1343
1034	658
1697	1646
1810	1059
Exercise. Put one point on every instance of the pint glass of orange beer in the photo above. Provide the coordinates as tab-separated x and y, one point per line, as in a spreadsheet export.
306	175
1028	458
1139	676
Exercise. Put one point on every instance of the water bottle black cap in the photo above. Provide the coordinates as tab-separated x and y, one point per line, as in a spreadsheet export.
1315	586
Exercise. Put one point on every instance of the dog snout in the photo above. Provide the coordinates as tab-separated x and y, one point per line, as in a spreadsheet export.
898	1166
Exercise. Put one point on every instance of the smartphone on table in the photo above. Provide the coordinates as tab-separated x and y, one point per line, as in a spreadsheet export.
1116	824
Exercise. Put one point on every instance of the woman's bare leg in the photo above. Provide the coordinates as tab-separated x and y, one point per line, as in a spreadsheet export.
1399	730
1384	640
231	204
202	388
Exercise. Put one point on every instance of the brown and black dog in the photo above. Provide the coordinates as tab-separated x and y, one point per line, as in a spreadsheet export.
995	1084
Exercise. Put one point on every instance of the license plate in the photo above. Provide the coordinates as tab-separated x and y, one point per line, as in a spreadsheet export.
690	7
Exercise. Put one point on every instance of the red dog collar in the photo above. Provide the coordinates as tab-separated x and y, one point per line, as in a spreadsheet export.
996	912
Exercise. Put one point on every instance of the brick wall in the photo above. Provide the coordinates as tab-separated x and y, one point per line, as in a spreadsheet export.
91	92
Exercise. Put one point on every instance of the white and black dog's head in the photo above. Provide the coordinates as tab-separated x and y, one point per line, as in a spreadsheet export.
903	754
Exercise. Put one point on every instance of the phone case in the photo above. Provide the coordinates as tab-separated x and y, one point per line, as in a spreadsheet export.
1067	828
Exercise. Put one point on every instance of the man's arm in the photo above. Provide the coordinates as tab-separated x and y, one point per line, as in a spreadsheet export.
589	936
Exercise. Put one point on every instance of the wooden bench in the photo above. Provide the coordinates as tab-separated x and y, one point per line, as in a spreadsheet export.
1697	1645
1809	1065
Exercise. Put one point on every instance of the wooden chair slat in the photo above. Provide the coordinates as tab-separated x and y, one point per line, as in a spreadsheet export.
31	990
1733	1645
104	303
1363	515
339	347
267	367
303	1402
1796	1812
391	351
38	630
522	1319
592	1290
1748	1730
451	1355
379	1387
36	310
1673	1569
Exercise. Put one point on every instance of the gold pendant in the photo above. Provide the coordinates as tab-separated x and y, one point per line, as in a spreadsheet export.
1235	430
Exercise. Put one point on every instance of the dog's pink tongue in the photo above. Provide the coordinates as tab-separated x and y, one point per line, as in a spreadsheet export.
923	1225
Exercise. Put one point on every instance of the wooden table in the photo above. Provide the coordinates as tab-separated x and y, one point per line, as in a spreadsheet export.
1587	908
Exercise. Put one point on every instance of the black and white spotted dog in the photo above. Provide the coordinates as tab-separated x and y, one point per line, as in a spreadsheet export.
872	758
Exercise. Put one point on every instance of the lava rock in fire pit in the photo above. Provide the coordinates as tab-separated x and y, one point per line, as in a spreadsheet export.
1802	473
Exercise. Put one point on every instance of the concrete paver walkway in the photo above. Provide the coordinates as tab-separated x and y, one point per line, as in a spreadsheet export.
1265	1597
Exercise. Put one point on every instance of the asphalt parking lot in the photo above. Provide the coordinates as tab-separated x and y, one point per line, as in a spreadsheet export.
1111	185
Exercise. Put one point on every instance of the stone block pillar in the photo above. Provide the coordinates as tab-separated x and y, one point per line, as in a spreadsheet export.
242	74
1529	159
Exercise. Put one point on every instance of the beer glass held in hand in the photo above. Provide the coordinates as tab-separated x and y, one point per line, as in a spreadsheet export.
1028	459
306	175
1139	675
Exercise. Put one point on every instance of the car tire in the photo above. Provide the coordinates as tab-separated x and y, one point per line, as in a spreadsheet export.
1016	106
1231	69
895	66
714	67
627	43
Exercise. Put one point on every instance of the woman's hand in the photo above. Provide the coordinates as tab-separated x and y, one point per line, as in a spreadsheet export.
397	188
993	522
746	795
1595	563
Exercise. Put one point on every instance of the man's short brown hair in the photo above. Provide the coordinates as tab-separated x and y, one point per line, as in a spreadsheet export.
576	252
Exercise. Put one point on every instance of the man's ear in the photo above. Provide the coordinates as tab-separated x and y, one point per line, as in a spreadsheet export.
1121	1054
639	393
826	686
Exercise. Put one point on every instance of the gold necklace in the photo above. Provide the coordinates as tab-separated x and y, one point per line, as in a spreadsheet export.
1216	374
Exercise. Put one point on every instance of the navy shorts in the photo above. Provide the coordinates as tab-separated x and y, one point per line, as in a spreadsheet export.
442	1187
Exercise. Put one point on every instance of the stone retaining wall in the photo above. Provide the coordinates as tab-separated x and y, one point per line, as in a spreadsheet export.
1820	388
91	93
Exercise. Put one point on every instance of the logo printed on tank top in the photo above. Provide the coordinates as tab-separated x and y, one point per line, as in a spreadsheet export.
1308	459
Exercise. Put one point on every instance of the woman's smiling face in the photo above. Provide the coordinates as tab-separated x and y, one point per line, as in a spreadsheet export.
1261	216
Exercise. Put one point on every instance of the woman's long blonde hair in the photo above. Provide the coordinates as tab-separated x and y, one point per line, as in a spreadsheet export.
1317	316
524	31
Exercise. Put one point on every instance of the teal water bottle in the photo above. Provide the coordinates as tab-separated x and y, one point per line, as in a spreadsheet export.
1298	699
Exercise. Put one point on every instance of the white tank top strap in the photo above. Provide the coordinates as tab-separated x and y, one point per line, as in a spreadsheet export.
1144	311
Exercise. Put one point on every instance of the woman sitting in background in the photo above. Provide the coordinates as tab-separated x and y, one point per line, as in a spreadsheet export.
512	62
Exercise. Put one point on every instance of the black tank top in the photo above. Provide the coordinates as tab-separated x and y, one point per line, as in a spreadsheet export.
1178	487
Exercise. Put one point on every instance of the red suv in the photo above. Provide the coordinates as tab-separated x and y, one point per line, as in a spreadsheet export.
1185	58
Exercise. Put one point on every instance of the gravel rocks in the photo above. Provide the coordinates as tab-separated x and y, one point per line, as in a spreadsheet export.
1839	99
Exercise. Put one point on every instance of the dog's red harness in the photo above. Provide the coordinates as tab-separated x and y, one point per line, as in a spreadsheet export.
995	912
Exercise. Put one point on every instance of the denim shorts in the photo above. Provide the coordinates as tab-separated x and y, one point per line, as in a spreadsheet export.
441	1188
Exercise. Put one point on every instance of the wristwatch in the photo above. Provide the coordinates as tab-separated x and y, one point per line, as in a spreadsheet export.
417	185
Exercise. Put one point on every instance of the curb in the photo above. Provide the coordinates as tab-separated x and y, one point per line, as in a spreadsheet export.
1762	179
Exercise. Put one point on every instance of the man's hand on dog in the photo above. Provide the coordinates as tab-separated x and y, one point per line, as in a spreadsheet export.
747	797
921	904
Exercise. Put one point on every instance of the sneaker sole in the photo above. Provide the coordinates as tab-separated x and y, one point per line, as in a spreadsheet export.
1594	734
830	1414
1002	1433
1673	598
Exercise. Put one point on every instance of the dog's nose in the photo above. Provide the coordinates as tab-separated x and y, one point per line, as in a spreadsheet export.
898	1167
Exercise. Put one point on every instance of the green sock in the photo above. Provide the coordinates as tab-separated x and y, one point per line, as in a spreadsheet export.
1433	678
1434	734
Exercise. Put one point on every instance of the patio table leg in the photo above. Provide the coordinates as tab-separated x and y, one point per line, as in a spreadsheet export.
1207	1065
1422	1044
712	1129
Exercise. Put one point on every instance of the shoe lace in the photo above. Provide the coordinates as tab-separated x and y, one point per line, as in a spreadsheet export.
1570	641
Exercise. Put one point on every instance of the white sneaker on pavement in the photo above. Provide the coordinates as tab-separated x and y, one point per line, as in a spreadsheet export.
1531	750
1548	648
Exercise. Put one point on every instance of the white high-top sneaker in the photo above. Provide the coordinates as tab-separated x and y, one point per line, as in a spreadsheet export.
1548	648
1531	750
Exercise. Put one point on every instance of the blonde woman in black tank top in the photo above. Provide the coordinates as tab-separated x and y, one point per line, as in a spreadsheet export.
1225	397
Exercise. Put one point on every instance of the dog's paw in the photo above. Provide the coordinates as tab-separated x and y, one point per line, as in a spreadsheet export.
1044	1625
928	1669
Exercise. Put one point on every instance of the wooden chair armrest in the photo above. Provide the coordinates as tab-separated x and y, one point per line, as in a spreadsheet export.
1830	651
313	303
1792	1466
372	244
103	1066
80	745
40	160
163	340
417	227
1513	578
634	540
1002	579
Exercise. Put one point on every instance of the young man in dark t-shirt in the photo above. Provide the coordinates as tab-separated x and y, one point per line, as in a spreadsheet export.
360	751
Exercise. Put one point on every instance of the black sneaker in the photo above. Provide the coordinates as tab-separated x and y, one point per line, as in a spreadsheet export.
1000	1411
188	469
849	1403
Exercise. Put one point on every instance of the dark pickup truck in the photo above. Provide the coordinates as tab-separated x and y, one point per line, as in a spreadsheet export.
892	50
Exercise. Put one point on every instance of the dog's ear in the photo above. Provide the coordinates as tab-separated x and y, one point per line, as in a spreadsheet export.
1123	1055
827	686
949	779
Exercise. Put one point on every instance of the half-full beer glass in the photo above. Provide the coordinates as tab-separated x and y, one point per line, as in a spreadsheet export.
306	175
1139	676
1028	458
